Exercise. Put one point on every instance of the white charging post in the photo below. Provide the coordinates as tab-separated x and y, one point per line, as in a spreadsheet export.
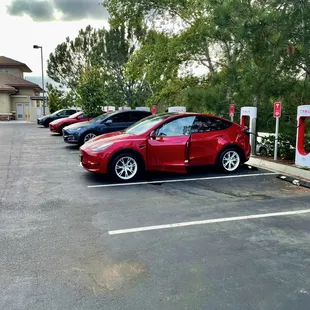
277	107
250	113
177	109
302	158
146	109
109	109
124	108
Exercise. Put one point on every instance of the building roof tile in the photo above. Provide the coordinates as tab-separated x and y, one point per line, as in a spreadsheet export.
6	62
10	83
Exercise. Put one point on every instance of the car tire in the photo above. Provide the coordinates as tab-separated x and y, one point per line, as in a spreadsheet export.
128	160
47	123
87	136
229	160
61	128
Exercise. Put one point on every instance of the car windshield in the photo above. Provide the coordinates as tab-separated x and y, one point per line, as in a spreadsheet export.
100	117
57	112
146	124
75	115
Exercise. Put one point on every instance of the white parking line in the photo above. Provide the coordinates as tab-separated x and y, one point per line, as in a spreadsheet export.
184	180
220	220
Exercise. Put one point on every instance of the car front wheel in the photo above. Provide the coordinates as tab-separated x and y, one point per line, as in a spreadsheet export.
47	123
88	136
229	160
61	128
126	167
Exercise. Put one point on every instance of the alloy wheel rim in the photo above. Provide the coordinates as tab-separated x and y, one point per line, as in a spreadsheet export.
231	161
89	136
126	168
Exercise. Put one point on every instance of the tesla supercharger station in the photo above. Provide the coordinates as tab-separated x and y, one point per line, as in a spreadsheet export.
108	109
302	158
124	108
146	109
177	109
250	114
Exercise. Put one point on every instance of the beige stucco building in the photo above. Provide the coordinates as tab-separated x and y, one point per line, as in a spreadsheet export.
17	95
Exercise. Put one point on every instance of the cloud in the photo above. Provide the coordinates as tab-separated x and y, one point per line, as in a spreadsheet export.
39	11
76	10
68	10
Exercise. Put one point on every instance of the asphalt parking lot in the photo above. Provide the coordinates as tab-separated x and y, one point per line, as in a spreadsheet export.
73	240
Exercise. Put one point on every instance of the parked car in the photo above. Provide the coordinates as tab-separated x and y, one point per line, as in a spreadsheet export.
265	145
262	147
168	142
105	123
46	120
78	117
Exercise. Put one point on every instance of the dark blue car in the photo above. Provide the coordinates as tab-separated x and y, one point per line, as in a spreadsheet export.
105	123
64	113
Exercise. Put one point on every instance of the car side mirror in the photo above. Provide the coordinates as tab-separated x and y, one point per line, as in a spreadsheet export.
109	121
153	135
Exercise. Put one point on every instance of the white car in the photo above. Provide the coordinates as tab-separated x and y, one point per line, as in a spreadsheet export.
265	146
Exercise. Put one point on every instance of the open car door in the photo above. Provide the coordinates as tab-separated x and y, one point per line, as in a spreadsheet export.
168	148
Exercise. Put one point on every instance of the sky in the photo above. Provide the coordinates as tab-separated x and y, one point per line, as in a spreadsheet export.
46	23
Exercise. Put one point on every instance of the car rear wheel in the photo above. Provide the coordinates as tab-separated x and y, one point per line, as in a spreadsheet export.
126	167
88	136
229	160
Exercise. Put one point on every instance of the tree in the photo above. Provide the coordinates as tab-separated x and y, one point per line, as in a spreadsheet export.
91	90
247	45
66	65
108	50
58	99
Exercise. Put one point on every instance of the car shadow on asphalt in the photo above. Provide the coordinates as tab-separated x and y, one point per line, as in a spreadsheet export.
150	176
72	147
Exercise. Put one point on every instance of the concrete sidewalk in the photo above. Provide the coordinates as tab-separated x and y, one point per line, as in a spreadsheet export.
280	168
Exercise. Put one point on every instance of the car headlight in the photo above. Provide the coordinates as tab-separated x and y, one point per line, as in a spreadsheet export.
101	147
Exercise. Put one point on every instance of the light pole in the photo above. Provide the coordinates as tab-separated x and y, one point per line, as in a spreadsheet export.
40	47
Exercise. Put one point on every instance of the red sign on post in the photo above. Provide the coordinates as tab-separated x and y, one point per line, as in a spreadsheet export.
231	110
154	109
277	109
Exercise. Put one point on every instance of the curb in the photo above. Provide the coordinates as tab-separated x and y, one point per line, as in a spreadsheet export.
294	181
279	168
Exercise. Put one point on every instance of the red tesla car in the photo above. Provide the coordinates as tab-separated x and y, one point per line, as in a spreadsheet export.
168	142
59	124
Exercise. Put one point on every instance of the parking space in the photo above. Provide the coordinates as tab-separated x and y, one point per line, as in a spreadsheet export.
74	240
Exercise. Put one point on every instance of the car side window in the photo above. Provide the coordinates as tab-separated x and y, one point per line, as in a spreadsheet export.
63	113
137	116
121	118
91	115
208	124
70	112
178	127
